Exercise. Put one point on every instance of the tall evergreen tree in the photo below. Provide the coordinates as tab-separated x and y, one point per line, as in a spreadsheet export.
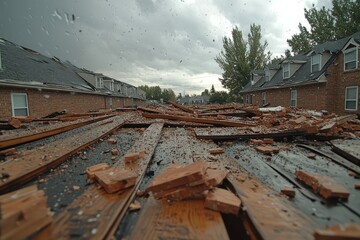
327	25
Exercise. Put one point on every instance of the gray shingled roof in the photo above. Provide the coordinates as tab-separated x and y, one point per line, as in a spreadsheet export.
24	65
303	75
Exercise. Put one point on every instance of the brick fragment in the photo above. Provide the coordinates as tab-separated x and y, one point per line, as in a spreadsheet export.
90	171
268	141
351	174
256	141
327	187
338	232
298	120
288	192
357	186
267	149
216	150
223	201
114	152
15	123
115	179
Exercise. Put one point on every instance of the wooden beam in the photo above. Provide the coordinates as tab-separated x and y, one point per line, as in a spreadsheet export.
185	109
197	120
42	132
103	208
36	162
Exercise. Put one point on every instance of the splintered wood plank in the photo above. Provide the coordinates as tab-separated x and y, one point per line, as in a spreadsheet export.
234	133
197	120
8	140
178	220
223	200
35	162
186	109
95	214
271	215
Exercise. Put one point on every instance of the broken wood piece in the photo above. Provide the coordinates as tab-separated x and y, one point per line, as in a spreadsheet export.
115	179
223	201
23	212
182	192
135	206
268	141
288	192
256	141
216	150
186	109
90	171
178	176
8	152
15	123
338	232
130	157
324	185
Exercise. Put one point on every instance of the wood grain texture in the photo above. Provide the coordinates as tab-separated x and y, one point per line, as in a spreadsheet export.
96	213
178	220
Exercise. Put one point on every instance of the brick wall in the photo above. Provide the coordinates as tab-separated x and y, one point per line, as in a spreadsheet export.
328	96
42	103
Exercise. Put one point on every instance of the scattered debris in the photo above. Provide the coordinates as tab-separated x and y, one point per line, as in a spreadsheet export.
112	141
288	192
339	232
216	150
90	171
135	206
115	179
114	152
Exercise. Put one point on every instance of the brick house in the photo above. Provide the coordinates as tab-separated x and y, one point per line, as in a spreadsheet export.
34	85
326	78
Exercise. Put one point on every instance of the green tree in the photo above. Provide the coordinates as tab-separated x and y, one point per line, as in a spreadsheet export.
219	97
326	25
212	90
205	93
239	57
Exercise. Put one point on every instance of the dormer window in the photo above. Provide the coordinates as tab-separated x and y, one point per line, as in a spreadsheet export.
267	75
315	63
99	82
286	70
111	86
350	58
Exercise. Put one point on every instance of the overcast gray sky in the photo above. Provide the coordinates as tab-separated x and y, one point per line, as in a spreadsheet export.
170	43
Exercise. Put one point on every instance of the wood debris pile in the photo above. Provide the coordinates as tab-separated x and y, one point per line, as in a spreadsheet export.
23	213
194	181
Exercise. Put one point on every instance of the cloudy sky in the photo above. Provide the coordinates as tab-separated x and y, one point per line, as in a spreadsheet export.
170	43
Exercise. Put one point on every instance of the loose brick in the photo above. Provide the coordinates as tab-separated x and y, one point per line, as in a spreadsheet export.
15	123
267	149
130	157
112	141
223	201
268	141
114	152
256	141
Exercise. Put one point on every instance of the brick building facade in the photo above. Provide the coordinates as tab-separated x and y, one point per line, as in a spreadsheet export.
35	85
326	78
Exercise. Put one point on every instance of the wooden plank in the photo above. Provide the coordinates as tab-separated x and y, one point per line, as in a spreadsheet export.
349	231
178	220
198	120
104	209
271	215
185	109
349	149
243	133
223	201
42	132
33	163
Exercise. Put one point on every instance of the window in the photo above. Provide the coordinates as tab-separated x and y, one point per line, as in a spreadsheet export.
293	98
315	63
248	99
110	103
118	86
351	98
19	104
350	58
286	70
99	82
263	97
112	86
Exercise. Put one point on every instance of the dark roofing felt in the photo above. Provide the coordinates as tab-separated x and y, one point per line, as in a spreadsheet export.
25	65
303	75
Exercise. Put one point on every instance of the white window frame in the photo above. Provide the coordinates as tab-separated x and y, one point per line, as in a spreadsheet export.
99	82
267	75
356	98
263	98
111	86
313	63
286	69
356	57
12	103
247	98
293	93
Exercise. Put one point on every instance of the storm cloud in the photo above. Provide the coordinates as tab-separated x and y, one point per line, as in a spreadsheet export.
155	42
